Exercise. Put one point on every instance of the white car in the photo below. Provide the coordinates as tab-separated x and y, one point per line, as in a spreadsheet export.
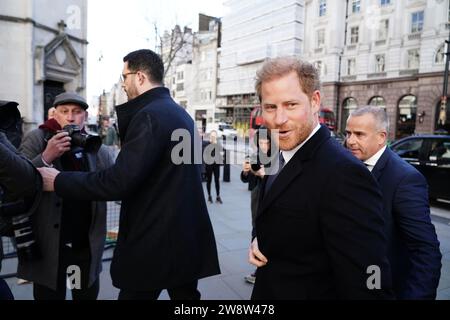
223	130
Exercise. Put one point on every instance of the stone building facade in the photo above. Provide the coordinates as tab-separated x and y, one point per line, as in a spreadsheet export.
43	53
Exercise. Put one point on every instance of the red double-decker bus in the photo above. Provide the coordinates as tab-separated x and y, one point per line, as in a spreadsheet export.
326	117
256	121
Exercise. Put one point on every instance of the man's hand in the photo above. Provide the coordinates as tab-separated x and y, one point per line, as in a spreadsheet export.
246	167
260	173
255	256
56	147
48	177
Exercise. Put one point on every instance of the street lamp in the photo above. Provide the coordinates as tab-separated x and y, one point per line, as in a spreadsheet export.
443	109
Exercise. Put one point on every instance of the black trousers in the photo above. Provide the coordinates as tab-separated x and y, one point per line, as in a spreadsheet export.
185	292
210	169
70	256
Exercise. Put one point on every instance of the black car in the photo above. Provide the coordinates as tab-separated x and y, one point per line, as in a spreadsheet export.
430	154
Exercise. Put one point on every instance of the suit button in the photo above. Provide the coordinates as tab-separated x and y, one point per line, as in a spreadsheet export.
56	226
58	204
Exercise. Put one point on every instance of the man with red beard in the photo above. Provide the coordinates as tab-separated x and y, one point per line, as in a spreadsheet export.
319	230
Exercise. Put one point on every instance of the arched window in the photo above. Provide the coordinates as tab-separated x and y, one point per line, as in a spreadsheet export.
442	120
348	106
377	101
321	68
406	116
439	58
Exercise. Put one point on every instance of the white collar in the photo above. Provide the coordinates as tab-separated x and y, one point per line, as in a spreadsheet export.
287	155
372	161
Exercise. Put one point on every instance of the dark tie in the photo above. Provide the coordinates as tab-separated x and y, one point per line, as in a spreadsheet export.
369	166
272	177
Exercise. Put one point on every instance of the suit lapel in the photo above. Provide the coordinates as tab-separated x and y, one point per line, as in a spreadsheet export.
381	163
292	169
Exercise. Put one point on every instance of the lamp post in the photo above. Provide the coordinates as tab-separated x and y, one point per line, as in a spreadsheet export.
443	109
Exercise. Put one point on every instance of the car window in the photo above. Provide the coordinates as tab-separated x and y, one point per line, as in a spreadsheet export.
409	149
440	151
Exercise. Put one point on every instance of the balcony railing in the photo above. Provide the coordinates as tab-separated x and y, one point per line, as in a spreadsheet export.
414	36
349	78
376	75
408	72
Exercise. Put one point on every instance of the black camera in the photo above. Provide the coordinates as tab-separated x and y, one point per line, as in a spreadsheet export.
90	143
15	222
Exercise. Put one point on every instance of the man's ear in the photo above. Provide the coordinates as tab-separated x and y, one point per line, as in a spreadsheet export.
141	77
382	138
315	101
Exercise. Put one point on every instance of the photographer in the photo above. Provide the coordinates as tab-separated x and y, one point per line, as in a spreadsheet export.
253	173
69	232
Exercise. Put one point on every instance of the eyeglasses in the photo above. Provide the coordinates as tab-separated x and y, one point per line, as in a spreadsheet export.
123	77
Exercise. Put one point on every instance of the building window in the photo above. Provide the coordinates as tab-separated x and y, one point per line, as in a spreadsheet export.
413	59
322	7
442	120
351	66
385	2
416	21
383	29
320	38
448	17
406	116
356	6
180	86
440	56
378	102
319	66
180	75
347	107
354	35
379	63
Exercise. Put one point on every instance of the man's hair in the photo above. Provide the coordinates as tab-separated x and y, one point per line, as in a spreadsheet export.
279	67
146	61
379	114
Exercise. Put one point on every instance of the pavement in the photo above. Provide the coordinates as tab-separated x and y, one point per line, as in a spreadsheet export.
232	227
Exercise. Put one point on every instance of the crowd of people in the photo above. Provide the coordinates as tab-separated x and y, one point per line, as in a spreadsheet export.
329	221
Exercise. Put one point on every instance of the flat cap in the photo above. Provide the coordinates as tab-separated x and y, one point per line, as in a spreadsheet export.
70	97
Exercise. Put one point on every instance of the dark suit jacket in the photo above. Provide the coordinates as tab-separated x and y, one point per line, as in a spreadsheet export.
320	227
165	234
413	245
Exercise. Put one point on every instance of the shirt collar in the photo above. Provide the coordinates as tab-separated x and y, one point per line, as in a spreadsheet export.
287	155
372	161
